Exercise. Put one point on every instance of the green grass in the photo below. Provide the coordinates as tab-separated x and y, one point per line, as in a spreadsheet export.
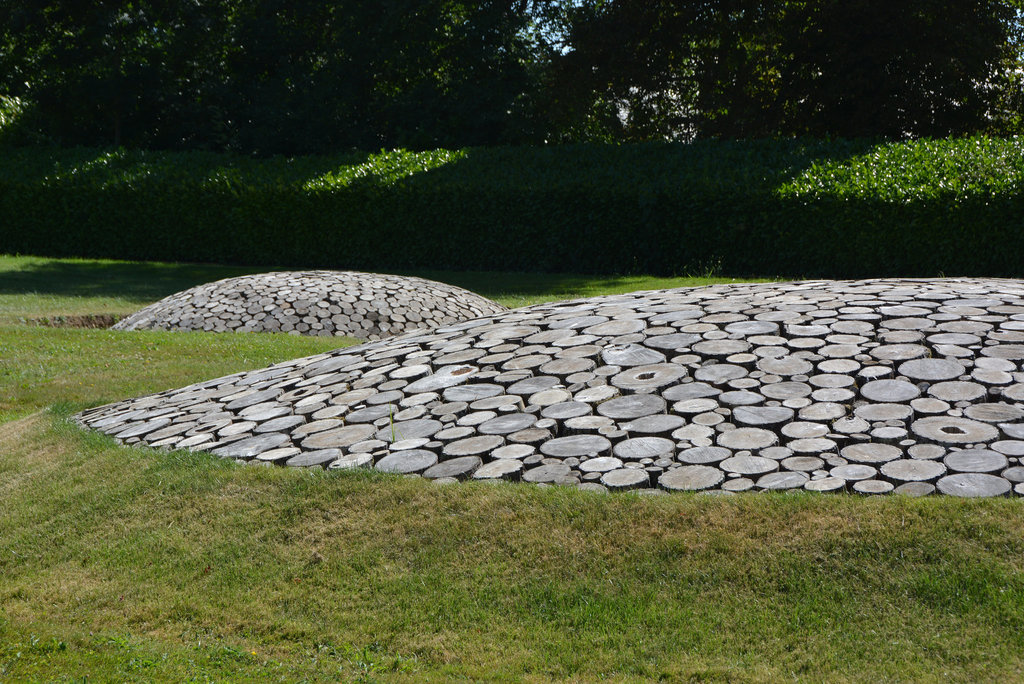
121	564
37	287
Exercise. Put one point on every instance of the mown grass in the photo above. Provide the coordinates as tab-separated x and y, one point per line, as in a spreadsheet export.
120	564
36	287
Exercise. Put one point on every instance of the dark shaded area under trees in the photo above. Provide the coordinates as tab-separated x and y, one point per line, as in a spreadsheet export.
302	76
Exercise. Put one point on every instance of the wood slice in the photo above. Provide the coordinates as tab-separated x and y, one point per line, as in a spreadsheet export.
749	465
825	484
470	393
873	487
627	355
813	445
871	453
950	430
782	391
889	391
659	424
532	385
971	485
785	366
854	471
514	451
251	447
720	348
457	468
994	413
740	398
804	430
507	424
632	406
913	470
749	439
692	390
672	342
915	489
576	446
444	377
141	428
500	469
406	462
282	424
690	478
932	370
311	459
719	373
638	448
546	473
349	461
648	377
803	464
782	480
761	416
473	446
626	478
975	461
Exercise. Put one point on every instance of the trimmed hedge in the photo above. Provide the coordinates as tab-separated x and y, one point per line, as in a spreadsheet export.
795	208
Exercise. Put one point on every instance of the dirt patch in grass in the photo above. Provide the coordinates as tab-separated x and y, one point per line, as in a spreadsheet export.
93	321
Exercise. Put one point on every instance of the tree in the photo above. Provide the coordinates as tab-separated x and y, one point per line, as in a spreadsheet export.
740	68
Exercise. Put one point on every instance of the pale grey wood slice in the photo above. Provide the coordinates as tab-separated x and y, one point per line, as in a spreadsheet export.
351	461
703	455
889	391
638	448
458	468
250	447
626	478
747	439
825	484
995	413
870	453
499	469
409	429
949	430
407	462
873	487
782	480
627	355
932	370
913	470
546	473
975	461
311	459
749	465
762	416
854	472
507	424
632	407
973	485
691	478
576	446
601	464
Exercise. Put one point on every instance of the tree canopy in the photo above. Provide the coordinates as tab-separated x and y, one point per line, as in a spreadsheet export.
299	76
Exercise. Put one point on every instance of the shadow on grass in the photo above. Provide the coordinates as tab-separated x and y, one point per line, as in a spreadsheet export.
134	280
150	281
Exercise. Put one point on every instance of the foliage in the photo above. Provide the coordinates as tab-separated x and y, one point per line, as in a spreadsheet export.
643	69
273	77
843	208
266	76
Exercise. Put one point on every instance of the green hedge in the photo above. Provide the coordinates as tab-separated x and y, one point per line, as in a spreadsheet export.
795	208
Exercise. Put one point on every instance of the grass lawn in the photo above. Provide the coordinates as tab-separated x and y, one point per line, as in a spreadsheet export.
135	565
